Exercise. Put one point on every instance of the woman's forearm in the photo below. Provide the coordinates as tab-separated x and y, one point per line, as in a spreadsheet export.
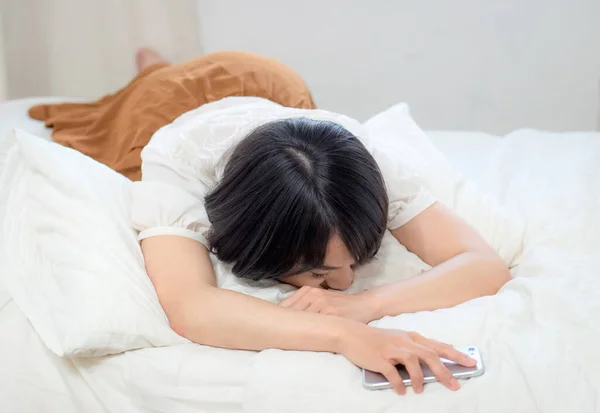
464	277
228	319
183	276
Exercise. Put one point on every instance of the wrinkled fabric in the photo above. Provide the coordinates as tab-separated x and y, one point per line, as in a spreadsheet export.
114	129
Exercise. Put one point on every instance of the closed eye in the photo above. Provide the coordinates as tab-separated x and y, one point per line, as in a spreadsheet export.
318	275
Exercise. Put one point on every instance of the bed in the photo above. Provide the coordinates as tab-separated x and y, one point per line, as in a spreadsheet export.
538	335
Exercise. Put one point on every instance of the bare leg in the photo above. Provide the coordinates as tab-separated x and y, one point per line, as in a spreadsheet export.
146	56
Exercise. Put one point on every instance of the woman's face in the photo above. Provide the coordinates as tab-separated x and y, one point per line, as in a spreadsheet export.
337	272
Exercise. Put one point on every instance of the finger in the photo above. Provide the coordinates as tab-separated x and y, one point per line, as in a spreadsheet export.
445	350
411	362
302	304
316	306
392	375
294	298
439	369
449	352
306	301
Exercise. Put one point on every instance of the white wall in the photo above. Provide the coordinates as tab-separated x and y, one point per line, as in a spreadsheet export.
461	64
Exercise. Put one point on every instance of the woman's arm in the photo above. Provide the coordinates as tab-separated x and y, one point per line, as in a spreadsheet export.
464	267
184	279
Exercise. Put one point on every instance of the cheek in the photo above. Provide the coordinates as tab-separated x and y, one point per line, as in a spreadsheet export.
301	280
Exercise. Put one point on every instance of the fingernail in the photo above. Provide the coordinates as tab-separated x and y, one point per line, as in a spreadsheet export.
454	385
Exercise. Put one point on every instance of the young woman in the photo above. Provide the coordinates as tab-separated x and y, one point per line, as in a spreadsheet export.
302	196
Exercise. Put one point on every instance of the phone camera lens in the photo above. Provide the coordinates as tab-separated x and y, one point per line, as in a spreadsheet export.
471	350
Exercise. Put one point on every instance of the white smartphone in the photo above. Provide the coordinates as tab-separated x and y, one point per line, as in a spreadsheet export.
377	381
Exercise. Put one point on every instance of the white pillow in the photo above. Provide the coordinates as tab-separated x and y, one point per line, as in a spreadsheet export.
75	266
394	131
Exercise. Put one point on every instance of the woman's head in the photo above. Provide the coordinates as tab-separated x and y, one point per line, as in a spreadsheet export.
301	201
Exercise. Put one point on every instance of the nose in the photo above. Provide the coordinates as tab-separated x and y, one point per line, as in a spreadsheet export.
343	279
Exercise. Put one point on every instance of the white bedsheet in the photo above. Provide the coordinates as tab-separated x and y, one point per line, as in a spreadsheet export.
33	379
13	114
469	152
538	336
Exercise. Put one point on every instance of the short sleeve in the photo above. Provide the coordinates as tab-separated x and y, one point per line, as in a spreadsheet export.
169	200
408	198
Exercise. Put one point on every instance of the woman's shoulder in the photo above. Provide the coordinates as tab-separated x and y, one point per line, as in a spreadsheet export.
210	126
200	138
224	122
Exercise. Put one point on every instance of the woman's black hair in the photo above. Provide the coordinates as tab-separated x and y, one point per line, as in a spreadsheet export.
288	187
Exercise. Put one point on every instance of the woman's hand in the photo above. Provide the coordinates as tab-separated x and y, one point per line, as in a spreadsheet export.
381	350
360	307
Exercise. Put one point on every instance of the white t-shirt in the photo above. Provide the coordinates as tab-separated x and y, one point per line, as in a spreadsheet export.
186	158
